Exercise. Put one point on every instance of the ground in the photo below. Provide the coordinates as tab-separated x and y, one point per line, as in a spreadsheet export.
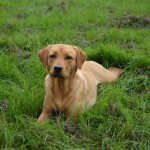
113	33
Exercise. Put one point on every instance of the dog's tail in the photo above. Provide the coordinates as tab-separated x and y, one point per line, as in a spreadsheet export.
117	71
114	73
103	75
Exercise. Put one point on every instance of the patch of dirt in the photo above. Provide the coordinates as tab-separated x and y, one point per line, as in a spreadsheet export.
113	110
8	26
143	71
49	9
129	45
81	41
61	6
73	129
4	105
30	30
131	21
21	15
23	55
8	47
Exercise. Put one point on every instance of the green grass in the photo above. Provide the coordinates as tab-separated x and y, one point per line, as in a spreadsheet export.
104	29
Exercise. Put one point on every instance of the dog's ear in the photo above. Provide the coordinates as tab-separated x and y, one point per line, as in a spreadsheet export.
81	56
43	55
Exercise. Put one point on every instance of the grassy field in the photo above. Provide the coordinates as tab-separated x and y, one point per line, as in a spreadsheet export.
113	33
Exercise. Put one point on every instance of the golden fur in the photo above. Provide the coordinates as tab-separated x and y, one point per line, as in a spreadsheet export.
75	87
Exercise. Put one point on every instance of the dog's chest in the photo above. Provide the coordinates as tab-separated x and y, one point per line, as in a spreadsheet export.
61	94
61	100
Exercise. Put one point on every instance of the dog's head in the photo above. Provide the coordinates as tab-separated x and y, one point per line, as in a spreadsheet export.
61	60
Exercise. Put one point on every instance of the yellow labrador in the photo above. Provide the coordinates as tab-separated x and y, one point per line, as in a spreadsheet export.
71	83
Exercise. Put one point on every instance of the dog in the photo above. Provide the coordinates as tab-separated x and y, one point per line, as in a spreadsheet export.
71	83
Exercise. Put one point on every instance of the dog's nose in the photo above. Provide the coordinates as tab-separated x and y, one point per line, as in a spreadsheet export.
58	68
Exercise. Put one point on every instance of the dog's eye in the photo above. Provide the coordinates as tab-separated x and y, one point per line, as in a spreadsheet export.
68	57
52	56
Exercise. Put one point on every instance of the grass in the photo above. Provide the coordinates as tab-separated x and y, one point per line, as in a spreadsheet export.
113	33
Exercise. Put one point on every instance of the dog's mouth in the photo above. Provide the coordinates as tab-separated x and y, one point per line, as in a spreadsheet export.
58	75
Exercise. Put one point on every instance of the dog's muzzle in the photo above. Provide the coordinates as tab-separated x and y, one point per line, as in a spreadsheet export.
57	70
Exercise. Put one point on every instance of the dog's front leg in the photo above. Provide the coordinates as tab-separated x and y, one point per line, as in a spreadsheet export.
46	112
44	116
